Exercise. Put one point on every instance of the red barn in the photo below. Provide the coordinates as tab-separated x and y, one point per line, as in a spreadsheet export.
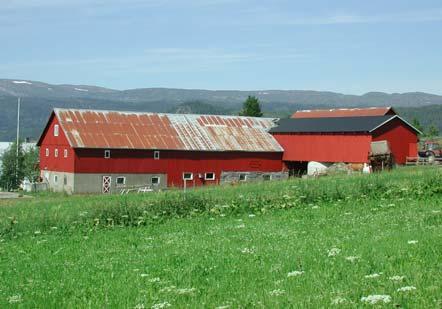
344	139
87	151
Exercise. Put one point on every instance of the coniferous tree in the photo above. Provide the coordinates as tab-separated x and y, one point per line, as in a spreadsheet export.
251	107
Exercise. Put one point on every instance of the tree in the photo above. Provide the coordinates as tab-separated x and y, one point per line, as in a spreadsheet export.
14	169
251	107
30	164
433	131
416	123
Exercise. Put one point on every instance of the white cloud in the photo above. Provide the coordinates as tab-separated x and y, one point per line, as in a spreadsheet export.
417	16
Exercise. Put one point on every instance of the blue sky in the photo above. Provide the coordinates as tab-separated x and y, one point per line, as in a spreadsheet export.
345	46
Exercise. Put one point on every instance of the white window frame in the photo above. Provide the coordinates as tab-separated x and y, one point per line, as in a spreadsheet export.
107	154
245	177
191	176
155	177
56	179
65	153
47	152
207	178
56	152
56	130
120	184
156	155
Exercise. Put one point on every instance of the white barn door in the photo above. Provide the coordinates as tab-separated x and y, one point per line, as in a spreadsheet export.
107	182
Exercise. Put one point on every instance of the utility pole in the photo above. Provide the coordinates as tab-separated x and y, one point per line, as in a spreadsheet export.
17	141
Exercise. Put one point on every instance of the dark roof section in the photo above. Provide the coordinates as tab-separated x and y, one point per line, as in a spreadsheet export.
345	112
334	125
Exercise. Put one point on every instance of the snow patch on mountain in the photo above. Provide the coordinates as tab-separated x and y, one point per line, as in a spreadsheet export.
21	82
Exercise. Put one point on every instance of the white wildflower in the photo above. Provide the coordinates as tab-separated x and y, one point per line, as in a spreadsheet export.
338	300
252	216
139	306
372	276
247	251
412	242
168	289
315	207
144	275
334	252
295	273
406	289
374	299
241	226
153	280
185	291
14	299
352	258
161	305
397	278
223	307
277	292
37	233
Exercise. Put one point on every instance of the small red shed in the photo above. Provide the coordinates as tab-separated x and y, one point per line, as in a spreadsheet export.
91	151
344	139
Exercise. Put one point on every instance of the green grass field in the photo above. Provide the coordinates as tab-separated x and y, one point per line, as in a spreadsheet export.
334	241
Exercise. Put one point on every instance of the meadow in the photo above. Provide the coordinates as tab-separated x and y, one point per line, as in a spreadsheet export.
339	241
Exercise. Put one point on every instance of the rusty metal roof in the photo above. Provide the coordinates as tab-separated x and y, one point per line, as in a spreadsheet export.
344	112
134	130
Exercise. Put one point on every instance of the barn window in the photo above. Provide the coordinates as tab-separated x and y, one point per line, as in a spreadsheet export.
267	177
56	129
187	176
121	180
65	153
56	152
65	180
156	155
55	179
155	181
242	177
107	154
209	176
47	152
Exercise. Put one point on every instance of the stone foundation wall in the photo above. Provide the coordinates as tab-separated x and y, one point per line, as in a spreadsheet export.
232	177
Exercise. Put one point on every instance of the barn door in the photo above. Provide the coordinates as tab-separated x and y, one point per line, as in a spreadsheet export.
107	181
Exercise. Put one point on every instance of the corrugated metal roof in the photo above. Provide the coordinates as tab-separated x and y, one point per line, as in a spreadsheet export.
334	125
133	130
345	112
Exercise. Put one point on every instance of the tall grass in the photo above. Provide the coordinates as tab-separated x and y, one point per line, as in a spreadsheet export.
64	213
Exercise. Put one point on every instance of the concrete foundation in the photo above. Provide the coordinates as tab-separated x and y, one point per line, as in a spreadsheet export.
93	183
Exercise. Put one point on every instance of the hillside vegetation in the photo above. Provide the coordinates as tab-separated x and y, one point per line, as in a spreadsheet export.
297	243
38	100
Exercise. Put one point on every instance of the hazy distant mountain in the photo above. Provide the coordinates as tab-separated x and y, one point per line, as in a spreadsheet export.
39	98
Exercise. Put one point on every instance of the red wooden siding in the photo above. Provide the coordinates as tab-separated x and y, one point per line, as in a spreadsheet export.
402	139
325	147
175	163
59	142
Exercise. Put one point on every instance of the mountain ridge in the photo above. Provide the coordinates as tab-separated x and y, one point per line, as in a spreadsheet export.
39	98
